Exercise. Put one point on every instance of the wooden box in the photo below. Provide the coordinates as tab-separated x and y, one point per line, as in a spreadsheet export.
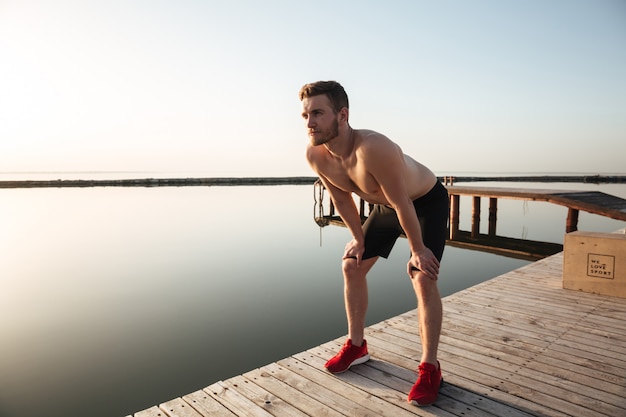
595	262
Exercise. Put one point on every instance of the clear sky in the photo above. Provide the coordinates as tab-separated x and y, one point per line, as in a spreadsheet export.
211	86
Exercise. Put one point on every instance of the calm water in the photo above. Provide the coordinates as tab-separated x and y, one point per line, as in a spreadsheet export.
116	299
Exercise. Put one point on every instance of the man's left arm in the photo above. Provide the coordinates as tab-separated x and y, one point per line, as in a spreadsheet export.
386	164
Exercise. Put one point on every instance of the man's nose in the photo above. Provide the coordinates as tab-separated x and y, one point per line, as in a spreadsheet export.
309	122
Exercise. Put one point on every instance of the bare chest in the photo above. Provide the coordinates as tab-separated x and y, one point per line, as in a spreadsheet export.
355	179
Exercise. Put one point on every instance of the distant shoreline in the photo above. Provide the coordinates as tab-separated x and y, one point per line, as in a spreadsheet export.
587	179
243	181
160	182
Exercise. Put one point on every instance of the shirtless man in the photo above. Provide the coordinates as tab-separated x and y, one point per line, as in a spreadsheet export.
407	197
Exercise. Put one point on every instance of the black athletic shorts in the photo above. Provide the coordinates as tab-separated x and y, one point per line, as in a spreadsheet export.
382	227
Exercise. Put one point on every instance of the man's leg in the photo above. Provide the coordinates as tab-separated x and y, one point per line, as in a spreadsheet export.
430	315
354	351
355	296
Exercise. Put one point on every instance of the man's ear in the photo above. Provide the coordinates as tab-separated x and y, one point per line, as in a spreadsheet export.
343	114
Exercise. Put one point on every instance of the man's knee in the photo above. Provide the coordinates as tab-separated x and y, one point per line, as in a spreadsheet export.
349	267
422	281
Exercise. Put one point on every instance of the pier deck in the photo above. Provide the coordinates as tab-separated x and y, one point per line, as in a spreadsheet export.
516	345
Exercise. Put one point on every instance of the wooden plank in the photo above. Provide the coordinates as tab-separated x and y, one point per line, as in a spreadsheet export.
303	394
179	408
151	412
207	405
264	399
234	401
344	399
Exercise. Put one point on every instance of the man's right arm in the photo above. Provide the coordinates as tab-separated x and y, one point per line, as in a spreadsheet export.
346	207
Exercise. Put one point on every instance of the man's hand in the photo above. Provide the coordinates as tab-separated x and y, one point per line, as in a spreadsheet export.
424	260
355	250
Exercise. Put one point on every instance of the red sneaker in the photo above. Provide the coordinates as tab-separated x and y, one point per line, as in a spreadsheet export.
426	389
348	355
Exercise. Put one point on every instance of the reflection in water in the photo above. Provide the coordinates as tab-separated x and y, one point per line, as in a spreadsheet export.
116	299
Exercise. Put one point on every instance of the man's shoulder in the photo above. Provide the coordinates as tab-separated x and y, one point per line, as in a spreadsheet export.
312	153
372	141
367	134
317	157
371	137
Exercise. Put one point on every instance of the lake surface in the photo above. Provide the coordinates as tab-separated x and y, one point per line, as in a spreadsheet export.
117	299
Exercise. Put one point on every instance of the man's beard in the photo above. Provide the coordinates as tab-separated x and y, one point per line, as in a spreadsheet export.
326	135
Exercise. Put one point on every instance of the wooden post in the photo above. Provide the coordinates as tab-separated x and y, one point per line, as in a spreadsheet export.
454	215
493	215
571	224
476	217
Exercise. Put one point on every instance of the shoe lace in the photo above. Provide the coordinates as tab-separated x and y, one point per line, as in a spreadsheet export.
344	349
423	376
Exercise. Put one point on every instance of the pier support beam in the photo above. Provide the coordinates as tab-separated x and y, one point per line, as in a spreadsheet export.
493	215
454	215
476	217
571	224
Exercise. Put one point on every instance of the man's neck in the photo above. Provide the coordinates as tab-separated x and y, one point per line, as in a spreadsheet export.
343	145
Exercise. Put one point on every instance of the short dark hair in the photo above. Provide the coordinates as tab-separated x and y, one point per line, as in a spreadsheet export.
332	89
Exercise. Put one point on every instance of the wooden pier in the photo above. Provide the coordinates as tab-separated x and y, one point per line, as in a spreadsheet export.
589	201
516	345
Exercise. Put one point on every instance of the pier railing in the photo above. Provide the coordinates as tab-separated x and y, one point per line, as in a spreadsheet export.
575	201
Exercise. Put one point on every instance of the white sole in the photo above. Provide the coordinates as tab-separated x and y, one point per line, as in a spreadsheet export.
358	361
